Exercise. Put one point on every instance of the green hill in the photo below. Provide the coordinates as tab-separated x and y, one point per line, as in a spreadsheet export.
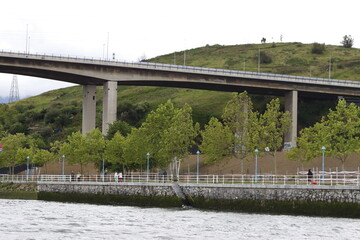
55	114
281	58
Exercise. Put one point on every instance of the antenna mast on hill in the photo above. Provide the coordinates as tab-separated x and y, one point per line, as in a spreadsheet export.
14	91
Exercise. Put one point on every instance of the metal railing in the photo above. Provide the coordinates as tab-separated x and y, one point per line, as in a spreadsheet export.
338	178
186	69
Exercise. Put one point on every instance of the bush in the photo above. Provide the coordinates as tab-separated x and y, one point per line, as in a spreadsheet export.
347	41
265	58
318	48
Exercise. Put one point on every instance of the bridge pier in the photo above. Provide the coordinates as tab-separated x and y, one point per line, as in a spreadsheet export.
291	105
89	108
109	105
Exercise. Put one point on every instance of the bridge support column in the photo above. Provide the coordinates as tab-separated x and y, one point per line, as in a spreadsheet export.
89	108
291	105
109	105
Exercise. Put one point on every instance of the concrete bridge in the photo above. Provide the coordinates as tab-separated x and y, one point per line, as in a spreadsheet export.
91	73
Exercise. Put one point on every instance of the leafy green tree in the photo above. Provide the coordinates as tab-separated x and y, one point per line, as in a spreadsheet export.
273	125
339	132
309	143
347	41
218	141
82	149
167	132
114	152
135	149
239	117
179	137
342	129
12	145
118	126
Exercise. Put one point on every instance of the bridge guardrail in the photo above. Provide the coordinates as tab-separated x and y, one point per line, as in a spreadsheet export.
179	68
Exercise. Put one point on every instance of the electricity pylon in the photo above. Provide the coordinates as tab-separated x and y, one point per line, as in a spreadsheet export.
14	91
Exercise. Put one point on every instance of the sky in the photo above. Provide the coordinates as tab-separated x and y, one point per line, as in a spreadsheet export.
132	29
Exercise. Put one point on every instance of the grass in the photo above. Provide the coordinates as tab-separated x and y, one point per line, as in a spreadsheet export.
287	58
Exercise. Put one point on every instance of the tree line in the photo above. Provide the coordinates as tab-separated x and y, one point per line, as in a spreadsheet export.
168	133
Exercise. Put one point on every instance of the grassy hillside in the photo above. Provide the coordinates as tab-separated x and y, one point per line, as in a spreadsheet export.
286	58
55	114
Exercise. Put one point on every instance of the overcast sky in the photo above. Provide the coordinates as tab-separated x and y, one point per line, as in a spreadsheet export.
137	28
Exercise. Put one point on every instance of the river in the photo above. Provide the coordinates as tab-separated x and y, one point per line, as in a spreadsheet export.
34	219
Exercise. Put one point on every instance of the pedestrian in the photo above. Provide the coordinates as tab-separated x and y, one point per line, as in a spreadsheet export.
116	176
72	176
120	177
310	175
78	176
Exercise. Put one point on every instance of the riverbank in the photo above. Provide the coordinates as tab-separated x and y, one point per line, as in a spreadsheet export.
309	200
18	191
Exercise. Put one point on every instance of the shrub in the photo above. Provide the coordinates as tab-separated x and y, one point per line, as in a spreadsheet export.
318	48
265	58
347	41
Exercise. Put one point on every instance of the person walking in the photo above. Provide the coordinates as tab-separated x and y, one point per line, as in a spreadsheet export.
116	176
310	175
120	177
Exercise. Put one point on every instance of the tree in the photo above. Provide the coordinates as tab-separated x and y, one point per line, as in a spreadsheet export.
342	129
347	41
239	117
318	48
273	126
118	126
114	152
167	132
339	132
11	146
82	149
179	137
218	141
135	149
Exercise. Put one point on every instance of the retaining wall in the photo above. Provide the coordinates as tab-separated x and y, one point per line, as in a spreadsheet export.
318	200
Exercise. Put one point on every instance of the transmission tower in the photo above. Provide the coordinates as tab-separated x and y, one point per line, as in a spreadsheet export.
14	91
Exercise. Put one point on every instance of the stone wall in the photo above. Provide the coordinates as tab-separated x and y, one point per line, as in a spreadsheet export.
284	193
317	200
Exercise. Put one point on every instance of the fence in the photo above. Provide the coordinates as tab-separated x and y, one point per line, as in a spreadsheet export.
329	178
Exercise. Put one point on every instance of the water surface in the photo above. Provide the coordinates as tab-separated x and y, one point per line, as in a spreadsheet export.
34	219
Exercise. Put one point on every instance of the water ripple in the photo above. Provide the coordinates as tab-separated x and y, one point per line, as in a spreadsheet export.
22	219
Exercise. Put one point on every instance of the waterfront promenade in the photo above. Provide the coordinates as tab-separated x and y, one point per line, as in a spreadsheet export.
319	178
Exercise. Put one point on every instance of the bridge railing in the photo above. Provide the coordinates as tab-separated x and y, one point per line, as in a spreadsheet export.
180	68
299	179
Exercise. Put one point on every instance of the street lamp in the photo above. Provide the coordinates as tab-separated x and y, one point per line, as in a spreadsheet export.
27	167
62	167
103	170
147	166
197	166
256	163
323	163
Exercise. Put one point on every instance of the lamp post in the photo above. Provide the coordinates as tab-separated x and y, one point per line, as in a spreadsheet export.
323	163
62	167
256	163
147	166
27	167
197	166
103	170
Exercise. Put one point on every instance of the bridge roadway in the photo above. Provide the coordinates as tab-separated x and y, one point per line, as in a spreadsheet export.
92	72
